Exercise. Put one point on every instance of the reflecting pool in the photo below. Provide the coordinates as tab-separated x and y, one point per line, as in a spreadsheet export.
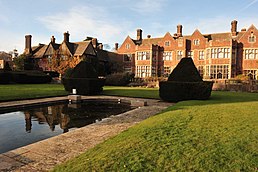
27	126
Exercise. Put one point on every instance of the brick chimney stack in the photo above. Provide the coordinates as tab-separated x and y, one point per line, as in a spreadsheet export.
53	40
179	30
94	42
28	49
101	46
66	36
116	46
234	28
139	34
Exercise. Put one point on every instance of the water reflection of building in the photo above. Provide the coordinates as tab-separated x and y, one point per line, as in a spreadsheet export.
64	121
28	123
51	115
73	115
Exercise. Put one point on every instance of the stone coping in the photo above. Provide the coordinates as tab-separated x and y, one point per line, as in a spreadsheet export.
45	154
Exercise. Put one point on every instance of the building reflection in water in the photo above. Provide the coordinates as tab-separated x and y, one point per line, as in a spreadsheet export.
72	115
51	115
28	123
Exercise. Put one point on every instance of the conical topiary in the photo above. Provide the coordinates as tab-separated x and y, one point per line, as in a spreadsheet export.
185	71
185	83
84	70
84	79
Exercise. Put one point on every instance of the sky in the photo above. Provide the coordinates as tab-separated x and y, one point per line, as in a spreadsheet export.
111	21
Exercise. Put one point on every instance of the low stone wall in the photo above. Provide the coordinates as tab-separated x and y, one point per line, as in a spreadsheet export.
234	85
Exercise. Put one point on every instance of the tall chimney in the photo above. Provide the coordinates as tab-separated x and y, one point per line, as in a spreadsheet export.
116	46
234	28
94	42
28	49
66	36
101	46
179	30
139	34
53	40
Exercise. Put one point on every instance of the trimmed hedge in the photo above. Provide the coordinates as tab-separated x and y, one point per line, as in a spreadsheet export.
119	79
84	79
177	91
185	83
24	77
5	77
84	86
185	71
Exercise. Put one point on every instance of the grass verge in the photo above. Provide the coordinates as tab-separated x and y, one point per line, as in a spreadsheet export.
132	92
220	134
28	91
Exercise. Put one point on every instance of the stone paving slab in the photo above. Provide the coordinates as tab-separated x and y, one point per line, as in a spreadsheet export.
45	154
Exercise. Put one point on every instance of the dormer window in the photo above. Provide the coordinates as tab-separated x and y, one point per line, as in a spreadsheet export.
196	42
127	46
252	38
167	43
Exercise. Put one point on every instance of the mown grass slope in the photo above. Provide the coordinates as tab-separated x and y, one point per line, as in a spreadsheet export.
220	134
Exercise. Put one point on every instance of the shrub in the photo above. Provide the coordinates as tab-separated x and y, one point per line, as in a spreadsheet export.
178	91
5	77
30	77
53	74
84	79
119	79
185	83
84	86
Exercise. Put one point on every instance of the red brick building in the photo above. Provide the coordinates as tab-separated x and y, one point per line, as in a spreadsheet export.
60	56
216	55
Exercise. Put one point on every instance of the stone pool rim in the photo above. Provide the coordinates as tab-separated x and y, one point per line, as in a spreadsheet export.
45	154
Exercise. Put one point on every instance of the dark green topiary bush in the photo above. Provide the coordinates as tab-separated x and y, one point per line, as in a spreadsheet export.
185	71
24	77
119	79
178	91
5	77
30	77
84	79
185	83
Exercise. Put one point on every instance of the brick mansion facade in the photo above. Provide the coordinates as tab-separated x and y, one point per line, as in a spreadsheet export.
216	56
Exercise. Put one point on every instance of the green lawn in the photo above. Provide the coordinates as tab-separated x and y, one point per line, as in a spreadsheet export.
220	134
26	91
132	92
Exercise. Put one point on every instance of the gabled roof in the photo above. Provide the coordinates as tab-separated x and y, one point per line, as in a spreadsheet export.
245	32
77	48
132	40
219	36
81	47
71	47
151	41
5	56
197	32
40	51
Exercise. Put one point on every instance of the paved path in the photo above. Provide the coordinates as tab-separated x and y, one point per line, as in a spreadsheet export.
44	155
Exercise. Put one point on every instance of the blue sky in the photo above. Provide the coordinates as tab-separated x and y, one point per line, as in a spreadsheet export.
112	20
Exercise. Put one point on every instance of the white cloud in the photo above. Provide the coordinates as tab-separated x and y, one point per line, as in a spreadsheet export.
148	6
86	21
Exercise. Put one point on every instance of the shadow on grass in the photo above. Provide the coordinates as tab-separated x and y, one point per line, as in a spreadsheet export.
218	97
139	93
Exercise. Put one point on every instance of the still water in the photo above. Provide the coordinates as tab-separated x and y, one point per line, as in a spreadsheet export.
27	126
